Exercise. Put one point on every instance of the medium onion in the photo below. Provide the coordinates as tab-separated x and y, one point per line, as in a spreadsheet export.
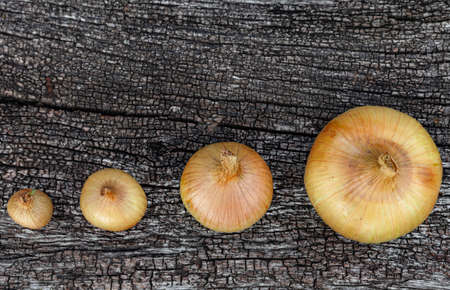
373	174
226	186
30	208
112	200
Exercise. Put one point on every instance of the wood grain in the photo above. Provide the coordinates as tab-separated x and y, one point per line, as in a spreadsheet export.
140	86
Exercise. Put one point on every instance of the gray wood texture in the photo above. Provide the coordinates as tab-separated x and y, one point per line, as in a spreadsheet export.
141	86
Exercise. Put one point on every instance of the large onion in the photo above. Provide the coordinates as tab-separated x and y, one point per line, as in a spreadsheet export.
373	174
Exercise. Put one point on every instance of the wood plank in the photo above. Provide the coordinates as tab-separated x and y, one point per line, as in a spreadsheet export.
141	86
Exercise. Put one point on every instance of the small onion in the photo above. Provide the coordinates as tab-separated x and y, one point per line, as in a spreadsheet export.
112	200
226	186
30	208
373	174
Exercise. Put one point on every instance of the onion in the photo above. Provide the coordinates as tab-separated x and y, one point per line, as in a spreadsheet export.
30	208
373	174
226	186
112	200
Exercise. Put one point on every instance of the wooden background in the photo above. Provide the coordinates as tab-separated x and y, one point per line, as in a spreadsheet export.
141	86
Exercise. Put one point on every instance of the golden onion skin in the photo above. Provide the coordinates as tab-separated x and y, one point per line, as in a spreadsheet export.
30	208
373	174
221	202
112	200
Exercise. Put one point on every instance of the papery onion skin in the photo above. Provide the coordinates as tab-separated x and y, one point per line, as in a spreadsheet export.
112	200
373	174
30	208
230	199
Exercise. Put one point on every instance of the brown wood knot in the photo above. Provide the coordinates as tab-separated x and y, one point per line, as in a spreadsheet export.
49	85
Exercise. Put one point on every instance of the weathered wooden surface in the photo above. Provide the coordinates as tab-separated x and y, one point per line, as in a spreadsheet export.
91	84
